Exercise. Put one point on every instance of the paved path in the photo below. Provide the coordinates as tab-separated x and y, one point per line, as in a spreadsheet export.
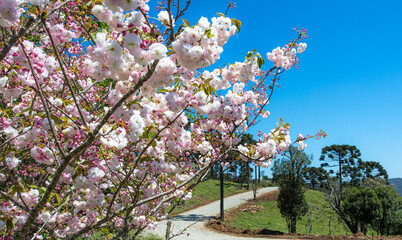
198	231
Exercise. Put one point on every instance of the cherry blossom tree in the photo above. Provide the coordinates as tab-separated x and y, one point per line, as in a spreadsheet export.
108	116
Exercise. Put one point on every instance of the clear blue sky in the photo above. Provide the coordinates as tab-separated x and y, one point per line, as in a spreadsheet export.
349	82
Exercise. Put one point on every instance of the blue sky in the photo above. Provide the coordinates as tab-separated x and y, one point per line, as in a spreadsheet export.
349	82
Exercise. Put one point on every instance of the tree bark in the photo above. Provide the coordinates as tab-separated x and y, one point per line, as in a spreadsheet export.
292	224
329	226
248	176
212	172
340	173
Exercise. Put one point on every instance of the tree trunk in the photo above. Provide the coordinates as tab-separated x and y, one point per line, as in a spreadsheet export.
255	177
222	196
212	172
241	175
340	173
292	224
235	174
248	176
353	227
168	228
363	228
382	226
329	226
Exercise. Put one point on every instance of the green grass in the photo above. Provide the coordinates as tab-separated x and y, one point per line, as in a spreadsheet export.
206	192
320	213
150	236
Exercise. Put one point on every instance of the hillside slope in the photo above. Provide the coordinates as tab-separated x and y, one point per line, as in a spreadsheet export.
320	216
398	183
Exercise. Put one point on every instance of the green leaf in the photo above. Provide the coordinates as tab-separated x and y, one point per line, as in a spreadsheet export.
146	132
64	119
259	56
56	119
237	23
11	191
15	189
9	111
102	26
213	90
207	81
42	189
186	23
171	52
221	14
78	171
162	90
208	33
9	224
23	111
107	82
249	54
259	62
58	198
67	102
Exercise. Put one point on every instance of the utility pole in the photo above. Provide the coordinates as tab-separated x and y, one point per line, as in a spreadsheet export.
222	218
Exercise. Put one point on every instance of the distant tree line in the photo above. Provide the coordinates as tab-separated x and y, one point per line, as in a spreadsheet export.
397	182
239	170
357	190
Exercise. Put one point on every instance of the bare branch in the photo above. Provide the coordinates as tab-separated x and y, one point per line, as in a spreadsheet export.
64	72
43	103
15	38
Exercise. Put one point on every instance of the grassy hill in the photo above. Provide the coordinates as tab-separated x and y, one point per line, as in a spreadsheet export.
398	183
319	215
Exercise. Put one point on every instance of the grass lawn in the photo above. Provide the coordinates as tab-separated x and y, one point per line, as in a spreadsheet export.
150	237
206	192
270	217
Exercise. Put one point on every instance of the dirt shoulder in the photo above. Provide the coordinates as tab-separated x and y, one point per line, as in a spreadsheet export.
251	206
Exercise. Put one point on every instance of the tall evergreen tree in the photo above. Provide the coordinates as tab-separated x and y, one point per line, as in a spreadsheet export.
341	156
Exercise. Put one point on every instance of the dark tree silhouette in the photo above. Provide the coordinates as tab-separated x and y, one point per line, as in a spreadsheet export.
316	177
390	220
359	208
341	156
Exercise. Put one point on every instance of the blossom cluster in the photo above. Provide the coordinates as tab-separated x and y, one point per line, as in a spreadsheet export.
106	116
286	57
201	45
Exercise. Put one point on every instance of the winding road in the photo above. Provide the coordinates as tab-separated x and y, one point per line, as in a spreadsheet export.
197	230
